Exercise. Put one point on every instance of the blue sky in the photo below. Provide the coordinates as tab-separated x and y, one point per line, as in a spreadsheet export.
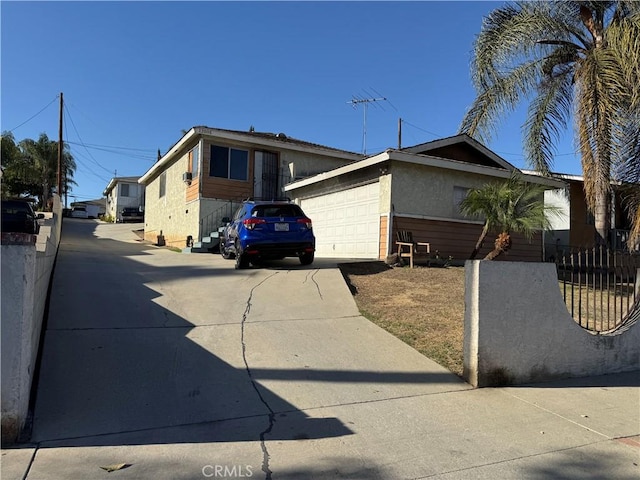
135	74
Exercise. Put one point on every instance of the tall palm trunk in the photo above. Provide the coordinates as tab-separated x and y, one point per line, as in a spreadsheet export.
602	219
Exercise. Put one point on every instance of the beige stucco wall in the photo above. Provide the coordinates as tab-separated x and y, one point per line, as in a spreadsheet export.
172	214
517	329
27	263
386	182
305	164
428	191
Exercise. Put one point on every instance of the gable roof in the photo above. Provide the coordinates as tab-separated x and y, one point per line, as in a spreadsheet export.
463	143
500	170
115	180
258	139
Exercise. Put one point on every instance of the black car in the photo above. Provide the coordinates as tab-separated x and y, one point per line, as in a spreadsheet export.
18	216
130	214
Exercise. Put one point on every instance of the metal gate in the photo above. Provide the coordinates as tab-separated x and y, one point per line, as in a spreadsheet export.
600	287
266	176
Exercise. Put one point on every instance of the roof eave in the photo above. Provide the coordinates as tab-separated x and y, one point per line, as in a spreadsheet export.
167	157
239	137
426	160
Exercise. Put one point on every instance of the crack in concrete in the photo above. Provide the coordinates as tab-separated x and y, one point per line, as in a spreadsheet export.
314	281
272	416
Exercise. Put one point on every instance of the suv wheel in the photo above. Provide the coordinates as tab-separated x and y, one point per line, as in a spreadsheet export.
306	258
242	260
224	251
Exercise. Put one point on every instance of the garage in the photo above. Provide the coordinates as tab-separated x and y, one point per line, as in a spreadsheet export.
346	223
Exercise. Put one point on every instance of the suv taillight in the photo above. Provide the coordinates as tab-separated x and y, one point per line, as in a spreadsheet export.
306	221
250	223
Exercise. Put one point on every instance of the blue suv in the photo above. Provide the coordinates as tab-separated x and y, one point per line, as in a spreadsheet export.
263	230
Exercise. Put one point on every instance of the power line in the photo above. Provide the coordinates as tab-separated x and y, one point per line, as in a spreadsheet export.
495	151
121	148
34	116
82	143
150	158
421	129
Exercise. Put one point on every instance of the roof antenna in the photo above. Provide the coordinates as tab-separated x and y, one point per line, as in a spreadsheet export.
364	101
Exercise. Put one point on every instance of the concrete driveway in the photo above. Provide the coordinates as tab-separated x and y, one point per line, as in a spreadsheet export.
181	367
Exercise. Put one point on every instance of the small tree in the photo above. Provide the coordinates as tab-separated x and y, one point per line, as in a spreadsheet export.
509	206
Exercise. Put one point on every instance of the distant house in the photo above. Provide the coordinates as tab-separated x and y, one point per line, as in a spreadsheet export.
95	208
358	208
575	228
123	192
203	177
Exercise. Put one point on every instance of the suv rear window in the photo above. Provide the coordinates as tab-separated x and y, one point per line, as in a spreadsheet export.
277	211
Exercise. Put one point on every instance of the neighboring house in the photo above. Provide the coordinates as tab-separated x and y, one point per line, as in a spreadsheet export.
123	192
575	228
357	208
95	208
203	177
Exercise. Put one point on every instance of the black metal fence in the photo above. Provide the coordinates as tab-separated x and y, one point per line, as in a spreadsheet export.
600	287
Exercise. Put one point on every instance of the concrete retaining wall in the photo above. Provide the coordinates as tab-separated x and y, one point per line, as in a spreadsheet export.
27	263
518	329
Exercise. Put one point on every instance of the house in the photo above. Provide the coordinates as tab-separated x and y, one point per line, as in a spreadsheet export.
95	208
358	208
204	176
123	192
575	228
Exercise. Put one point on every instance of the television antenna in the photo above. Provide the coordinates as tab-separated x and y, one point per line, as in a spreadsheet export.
354	102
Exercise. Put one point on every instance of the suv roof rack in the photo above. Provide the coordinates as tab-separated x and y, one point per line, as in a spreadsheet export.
267	199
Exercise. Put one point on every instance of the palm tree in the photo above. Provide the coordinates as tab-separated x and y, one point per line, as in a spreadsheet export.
574	61
42	157
508	206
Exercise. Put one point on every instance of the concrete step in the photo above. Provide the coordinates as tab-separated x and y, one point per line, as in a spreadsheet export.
203	246
212	238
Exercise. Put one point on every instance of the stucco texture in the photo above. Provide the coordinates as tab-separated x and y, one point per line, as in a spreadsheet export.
518	329
425	190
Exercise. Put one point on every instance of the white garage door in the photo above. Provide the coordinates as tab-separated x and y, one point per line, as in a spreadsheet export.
347	223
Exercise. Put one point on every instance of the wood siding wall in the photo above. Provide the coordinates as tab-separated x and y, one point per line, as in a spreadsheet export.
213	187
193	190
384	235
458	239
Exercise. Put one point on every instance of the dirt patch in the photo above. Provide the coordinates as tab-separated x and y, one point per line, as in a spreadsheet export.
424	307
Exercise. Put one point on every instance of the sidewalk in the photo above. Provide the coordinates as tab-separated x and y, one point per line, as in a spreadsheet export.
180	367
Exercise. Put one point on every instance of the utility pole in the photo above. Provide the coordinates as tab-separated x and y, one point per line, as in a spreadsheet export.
60	150
365	101
399	133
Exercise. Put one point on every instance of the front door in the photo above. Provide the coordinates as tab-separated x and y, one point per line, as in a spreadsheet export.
265	179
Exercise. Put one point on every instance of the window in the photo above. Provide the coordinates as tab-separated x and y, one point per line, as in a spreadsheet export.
229	163
194	157
124	189
459	194
277	211
163	184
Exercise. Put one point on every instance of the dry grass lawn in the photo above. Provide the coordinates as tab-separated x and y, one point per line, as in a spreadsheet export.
422	306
